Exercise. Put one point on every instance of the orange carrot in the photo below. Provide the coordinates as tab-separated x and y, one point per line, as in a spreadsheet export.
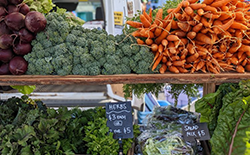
150	14
190	48
208	1
206	30
226	26
149	41
192	1
185	3
158	16
192	22
179	63
174	25
160	48
145	32
163	68
139	41
158	30
192	57
171	47
238	25
153	27
154	47
200	12
169	63
225	8
197	28
147	16
211	15
216	29
204	38
197	18
247	67
205	22
240	69
172	37
196	6
136	33
220	3
187	66
234	60
200	65
184	26
189	10
164	42
134	24
242	58
191	35
246	41
164	34
182	69
164	59
144	21
239	16
177	9
173	69
179	33
157	61
183	41
210	9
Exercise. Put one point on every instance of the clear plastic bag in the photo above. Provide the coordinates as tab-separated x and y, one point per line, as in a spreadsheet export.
163	132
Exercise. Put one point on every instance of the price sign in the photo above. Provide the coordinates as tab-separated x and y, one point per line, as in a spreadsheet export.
120	120
191	132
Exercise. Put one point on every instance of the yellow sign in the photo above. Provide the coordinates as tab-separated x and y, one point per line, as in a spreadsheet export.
118	18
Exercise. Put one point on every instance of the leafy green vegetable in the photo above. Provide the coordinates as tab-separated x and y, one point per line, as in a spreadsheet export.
28	127
231	135
25	89
43	6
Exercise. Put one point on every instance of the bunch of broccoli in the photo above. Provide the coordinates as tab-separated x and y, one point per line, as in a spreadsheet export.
67	49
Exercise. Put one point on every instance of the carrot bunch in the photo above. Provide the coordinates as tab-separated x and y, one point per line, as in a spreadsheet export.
212	36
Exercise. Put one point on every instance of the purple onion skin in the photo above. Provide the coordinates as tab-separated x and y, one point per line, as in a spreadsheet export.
4	69
3	2
3	11
24	9
25	36
35	21
12	8
6	55
6	41
15	21
4	29
18	65
15	2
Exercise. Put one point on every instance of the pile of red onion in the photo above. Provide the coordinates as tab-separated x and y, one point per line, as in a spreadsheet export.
18	27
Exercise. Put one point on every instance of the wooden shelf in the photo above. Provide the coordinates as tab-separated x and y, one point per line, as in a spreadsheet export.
200	78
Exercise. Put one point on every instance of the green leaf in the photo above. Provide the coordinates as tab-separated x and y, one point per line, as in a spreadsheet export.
230	135
25	89
24	134
26	151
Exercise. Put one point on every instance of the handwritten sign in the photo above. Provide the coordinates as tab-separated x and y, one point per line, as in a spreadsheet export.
120	120
195	131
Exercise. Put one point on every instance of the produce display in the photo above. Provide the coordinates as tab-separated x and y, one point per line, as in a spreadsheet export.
163	132
29	127
18	28
212	36
66	48
227	113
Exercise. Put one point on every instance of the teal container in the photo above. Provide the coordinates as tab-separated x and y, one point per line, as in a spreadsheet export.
86	16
